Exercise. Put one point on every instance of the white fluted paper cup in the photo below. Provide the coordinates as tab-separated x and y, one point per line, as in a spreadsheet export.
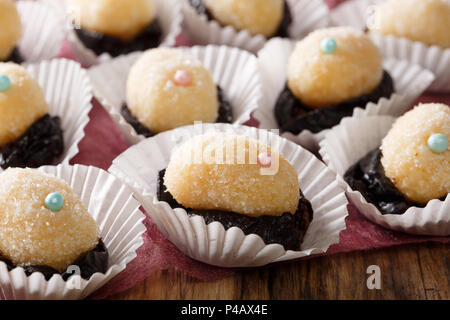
354	13
68	93
43	31
169	15
235	71
410	81
307	15
358	13
113	207
340	150
212	244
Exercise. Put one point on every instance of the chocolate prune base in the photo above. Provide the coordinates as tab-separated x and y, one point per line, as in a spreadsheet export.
368	177
282	31
225	115
15	57
89	263
42	144
294	116
100	43
287	229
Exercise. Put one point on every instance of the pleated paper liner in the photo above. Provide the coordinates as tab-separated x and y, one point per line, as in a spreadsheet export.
235	71
68	93
358	13
410	82
340	150
43	31
307	15
168	12
212	244
116	212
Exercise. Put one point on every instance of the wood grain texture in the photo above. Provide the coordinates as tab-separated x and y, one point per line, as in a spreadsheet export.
419	271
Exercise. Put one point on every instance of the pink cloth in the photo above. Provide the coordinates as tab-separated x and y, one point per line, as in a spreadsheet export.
103	142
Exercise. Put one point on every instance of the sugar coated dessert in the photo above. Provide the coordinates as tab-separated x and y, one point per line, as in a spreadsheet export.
167	88
10	28
236	184
121	19
332	65
426	21
256	16
42	221
416	157
22	102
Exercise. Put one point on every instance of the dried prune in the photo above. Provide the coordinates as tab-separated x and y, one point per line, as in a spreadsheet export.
42	144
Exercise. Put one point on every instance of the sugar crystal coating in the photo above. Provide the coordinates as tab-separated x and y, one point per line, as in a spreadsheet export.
418	172
426	21
235	183
30	234
159	103
256	16
118	18
21	105
321	79
10	28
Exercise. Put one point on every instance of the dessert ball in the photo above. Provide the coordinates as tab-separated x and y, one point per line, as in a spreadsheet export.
22	102
33	234
121	19
224	172
417	165
427	21
332	65
256	16
10	28
167	89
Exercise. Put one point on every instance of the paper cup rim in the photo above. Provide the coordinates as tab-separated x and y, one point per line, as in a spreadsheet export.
339	220
113	268
131	132
391	221
413	42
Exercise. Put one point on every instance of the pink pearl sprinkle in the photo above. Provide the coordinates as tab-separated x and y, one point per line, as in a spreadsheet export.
264	160
182	78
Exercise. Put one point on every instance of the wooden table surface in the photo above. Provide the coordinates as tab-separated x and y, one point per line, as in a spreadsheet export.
419	271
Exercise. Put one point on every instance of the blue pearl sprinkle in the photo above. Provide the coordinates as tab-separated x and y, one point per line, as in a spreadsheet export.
54	202
438	143
328	45
4	82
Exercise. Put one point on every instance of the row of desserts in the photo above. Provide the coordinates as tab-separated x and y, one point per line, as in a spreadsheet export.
114	28
329	75
422	40
96	35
